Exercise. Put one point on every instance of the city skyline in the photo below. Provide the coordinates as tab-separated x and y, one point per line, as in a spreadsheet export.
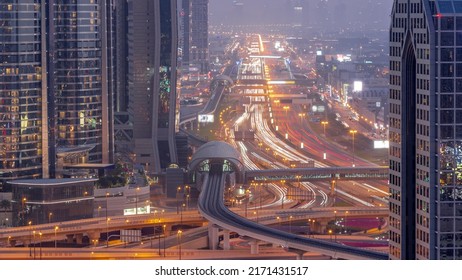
259	129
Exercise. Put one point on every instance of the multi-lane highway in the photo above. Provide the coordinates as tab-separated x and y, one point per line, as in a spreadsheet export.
288	138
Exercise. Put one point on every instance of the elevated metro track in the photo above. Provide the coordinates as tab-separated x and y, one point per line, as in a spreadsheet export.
212	207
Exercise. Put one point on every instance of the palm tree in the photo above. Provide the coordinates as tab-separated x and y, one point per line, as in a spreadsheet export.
5	205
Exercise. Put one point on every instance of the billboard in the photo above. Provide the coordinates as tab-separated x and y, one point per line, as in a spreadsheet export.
358	86
206	118
381	144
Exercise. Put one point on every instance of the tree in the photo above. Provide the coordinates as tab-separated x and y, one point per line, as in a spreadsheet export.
5	205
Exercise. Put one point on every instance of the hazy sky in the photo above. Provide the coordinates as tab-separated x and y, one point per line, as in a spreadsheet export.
331	14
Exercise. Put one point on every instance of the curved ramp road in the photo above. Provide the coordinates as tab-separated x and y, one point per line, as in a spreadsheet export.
212	207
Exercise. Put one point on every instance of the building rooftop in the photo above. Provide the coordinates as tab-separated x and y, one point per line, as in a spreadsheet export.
50	182
91	166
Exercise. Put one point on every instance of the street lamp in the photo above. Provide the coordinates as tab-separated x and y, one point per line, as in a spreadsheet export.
324	123
181	214
178	200
107	232
56	229
163	233
353	132
335	225
33	232
286	108
30	238
178	235
23	202
49	217
136	201
345	222
40	245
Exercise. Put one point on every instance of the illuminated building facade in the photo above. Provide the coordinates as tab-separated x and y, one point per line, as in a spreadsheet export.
23	119
425	131
153	105
55	86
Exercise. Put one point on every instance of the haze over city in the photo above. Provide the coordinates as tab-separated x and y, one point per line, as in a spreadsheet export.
331	15
220	129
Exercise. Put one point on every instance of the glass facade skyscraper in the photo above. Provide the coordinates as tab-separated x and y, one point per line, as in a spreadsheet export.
426	130
78	74
55	84
21	95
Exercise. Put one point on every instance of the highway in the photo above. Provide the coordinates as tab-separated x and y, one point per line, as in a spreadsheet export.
283	145
212	207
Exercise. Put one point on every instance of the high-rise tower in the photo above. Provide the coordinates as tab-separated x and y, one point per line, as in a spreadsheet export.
55	87
152	66
79	50
23	99
184	38
199	48
425	130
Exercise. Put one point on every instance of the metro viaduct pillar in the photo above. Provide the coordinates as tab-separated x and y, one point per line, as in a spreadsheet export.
320	226
298	252
213	237
94	237
70	238
226	245
78	238
254	246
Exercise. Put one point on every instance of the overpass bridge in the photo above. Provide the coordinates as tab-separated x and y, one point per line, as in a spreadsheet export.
290	82
317	174
93	228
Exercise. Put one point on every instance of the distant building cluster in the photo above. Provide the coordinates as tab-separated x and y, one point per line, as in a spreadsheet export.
355	72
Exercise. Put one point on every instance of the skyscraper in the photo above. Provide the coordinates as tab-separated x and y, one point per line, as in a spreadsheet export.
23	117
121	53
80	45
184	38
425	131
54	85
152	66
200	34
